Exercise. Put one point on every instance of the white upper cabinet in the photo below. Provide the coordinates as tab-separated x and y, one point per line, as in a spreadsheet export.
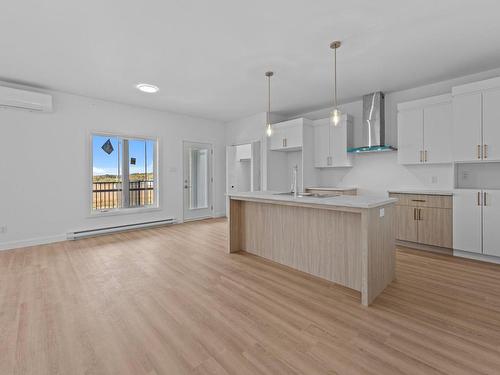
491	125
476	121
331	143
287	135
340	141
438	126
410	136
424	128
467	127
322	155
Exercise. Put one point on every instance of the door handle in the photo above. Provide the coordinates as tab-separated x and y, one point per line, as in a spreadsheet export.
484	199
485	152
478	198
479	151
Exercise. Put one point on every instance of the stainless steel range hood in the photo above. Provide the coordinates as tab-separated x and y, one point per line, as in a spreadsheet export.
373	127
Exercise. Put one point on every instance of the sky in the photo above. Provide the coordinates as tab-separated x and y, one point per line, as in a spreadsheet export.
108	164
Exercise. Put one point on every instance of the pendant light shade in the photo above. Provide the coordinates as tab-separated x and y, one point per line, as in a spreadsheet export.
336	114
269	129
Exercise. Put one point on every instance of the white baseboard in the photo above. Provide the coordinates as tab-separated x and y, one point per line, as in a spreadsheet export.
481	257
32	242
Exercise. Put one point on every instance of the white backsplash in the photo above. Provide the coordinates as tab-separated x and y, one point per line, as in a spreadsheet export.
376	173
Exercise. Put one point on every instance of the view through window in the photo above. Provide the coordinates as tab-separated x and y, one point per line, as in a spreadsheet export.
123	172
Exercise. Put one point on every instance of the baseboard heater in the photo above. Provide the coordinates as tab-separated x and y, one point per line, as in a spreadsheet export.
118	228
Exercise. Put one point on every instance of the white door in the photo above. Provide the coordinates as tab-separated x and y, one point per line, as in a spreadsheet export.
410	136
467	215
198	181
467	113
491	219
293	136
438	128
338	143
277	139
322	144
491	125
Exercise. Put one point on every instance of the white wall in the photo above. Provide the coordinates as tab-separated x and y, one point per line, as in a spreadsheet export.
44	165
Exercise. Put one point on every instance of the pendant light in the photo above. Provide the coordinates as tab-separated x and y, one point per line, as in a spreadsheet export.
269	129
335	116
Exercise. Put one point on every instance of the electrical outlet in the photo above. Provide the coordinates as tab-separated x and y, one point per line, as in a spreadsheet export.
3	228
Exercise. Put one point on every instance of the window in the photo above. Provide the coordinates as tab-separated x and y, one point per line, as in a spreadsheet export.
124	172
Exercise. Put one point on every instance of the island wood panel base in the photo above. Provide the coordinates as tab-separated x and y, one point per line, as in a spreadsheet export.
353	249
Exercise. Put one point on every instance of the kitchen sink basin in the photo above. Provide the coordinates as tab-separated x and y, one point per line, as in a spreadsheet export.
303	195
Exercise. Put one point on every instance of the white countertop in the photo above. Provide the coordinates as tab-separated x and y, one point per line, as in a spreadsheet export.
330	188
351	201
422	191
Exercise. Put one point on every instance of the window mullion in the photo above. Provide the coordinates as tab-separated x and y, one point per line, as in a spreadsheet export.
125	177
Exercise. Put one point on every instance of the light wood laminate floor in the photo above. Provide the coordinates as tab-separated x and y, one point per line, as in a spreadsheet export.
171	301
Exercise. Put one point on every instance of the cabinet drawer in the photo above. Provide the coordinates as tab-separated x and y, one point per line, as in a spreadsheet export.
422	200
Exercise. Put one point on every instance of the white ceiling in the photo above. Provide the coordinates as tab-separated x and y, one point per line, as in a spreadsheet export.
209	57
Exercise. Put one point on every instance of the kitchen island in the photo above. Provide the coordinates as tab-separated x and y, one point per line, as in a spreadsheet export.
348	240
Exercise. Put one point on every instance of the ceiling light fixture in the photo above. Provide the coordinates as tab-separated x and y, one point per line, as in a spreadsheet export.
269	129
335	116
146	87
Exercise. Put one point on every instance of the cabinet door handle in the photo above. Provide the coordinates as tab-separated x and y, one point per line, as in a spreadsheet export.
421	156
479	151
286	142
414	214
485	152
484	199
420	214
425	156
478	198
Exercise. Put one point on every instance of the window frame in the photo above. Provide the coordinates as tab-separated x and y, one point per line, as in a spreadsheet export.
123	210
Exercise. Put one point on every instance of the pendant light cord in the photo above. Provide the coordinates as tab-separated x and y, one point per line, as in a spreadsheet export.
335	77
268	99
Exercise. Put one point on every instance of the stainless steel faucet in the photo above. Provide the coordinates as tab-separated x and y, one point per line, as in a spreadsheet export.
294	180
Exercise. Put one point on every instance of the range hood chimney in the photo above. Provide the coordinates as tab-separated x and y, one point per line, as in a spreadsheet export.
373	127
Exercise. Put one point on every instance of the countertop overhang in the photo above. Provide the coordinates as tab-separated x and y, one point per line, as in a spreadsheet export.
342	201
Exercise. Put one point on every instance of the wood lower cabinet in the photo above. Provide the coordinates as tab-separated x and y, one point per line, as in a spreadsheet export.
435	226
424	219
406	230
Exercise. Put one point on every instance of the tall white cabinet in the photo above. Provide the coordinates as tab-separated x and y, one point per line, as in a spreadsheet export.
476	121
424	129
476	214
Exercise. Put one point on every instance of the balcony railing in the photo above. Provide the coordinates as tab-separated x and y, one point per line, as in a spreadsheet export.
107	195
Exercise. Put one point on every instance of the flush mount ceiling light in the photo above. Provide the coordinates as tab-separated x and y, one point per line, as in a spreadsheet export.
146	87
336	112
269	129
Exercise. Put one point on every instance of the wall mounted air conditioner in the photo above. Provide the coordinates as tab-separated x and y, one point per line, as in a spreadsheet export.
27	100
